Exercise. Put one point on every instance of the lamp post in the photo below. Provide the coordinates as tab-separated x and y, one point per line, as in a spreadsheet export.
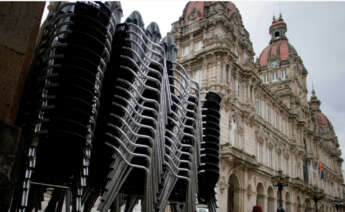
338	204
280	181
318	195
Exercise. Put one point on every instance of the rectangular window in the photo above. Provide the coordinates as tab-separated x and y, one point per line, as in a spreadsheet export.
258	111
287	128
270	159
260	152
279	162
287	167
274	76
238	89
266	78
268	156
197	76
283	74
228	74
198	46
185	50
257	151
268	113
274	115
245	89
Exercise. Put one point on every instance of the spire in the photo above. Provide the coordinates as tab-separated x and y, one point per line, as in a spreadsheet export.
274	19
314	101
312	88
280	17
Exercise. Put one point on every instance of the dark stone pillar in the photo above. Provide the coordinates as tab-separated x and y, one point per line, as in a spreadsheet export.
9	148
19	27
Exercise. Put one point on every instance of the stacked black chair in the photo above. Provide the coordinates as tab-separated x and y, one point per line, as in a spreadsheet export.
184	193
62	99
132	109
209	168
179	170
110	115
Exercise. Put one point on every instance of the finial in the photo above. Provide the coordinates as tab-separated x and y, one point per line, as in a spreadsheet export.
274	19
280	17
312	88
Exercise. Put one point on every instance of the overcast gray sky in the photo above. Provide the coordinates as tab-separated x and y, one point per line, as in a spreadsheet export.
315	29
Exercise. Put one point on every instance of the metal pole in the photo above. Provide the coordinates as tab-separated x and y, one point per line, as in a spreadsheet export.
316	200
280	187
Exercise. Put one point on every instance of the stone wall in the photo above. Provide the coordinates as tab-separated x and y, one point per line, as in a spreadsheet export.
19	27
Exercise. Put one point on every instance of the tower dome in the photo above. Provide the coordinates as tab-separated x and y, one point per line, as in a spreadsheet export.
321	123
198	9
279	47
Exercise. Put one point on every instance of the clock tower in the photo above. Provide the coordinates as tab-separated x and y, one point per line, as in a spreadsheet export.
282	70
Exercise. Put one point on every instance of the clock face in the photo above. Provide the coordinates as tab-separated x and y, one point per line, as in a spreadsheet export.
274	64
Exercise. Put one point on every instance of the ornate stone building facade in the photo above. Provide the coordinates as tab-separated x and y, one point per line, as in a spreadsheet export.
267	123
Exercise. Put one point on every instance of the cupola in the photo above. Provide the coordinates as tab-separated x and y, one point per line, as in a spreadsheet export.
322	124
279	49
278	29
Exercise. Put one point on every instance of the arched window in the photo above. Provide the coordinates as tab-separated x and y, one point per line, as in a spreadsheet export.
227	73
288	202
276	34
260	198
233	194
299	205
308	207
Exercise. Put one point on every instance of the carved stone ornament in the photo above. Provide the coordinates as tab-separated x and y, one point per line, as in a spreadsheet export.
249	191
259	134
195	14
222	184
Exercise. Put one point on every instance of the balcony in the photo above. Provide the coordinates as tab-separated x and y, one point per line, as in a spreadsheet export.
194	26
237	156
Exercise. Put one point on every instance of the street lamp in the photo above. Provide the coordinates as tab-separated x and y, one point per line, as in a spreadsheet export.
318	195
280	181
338	204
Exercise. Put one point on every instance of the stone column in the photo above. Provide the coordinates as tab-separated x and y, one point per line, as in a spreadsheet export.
223	187
241	194
275	206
